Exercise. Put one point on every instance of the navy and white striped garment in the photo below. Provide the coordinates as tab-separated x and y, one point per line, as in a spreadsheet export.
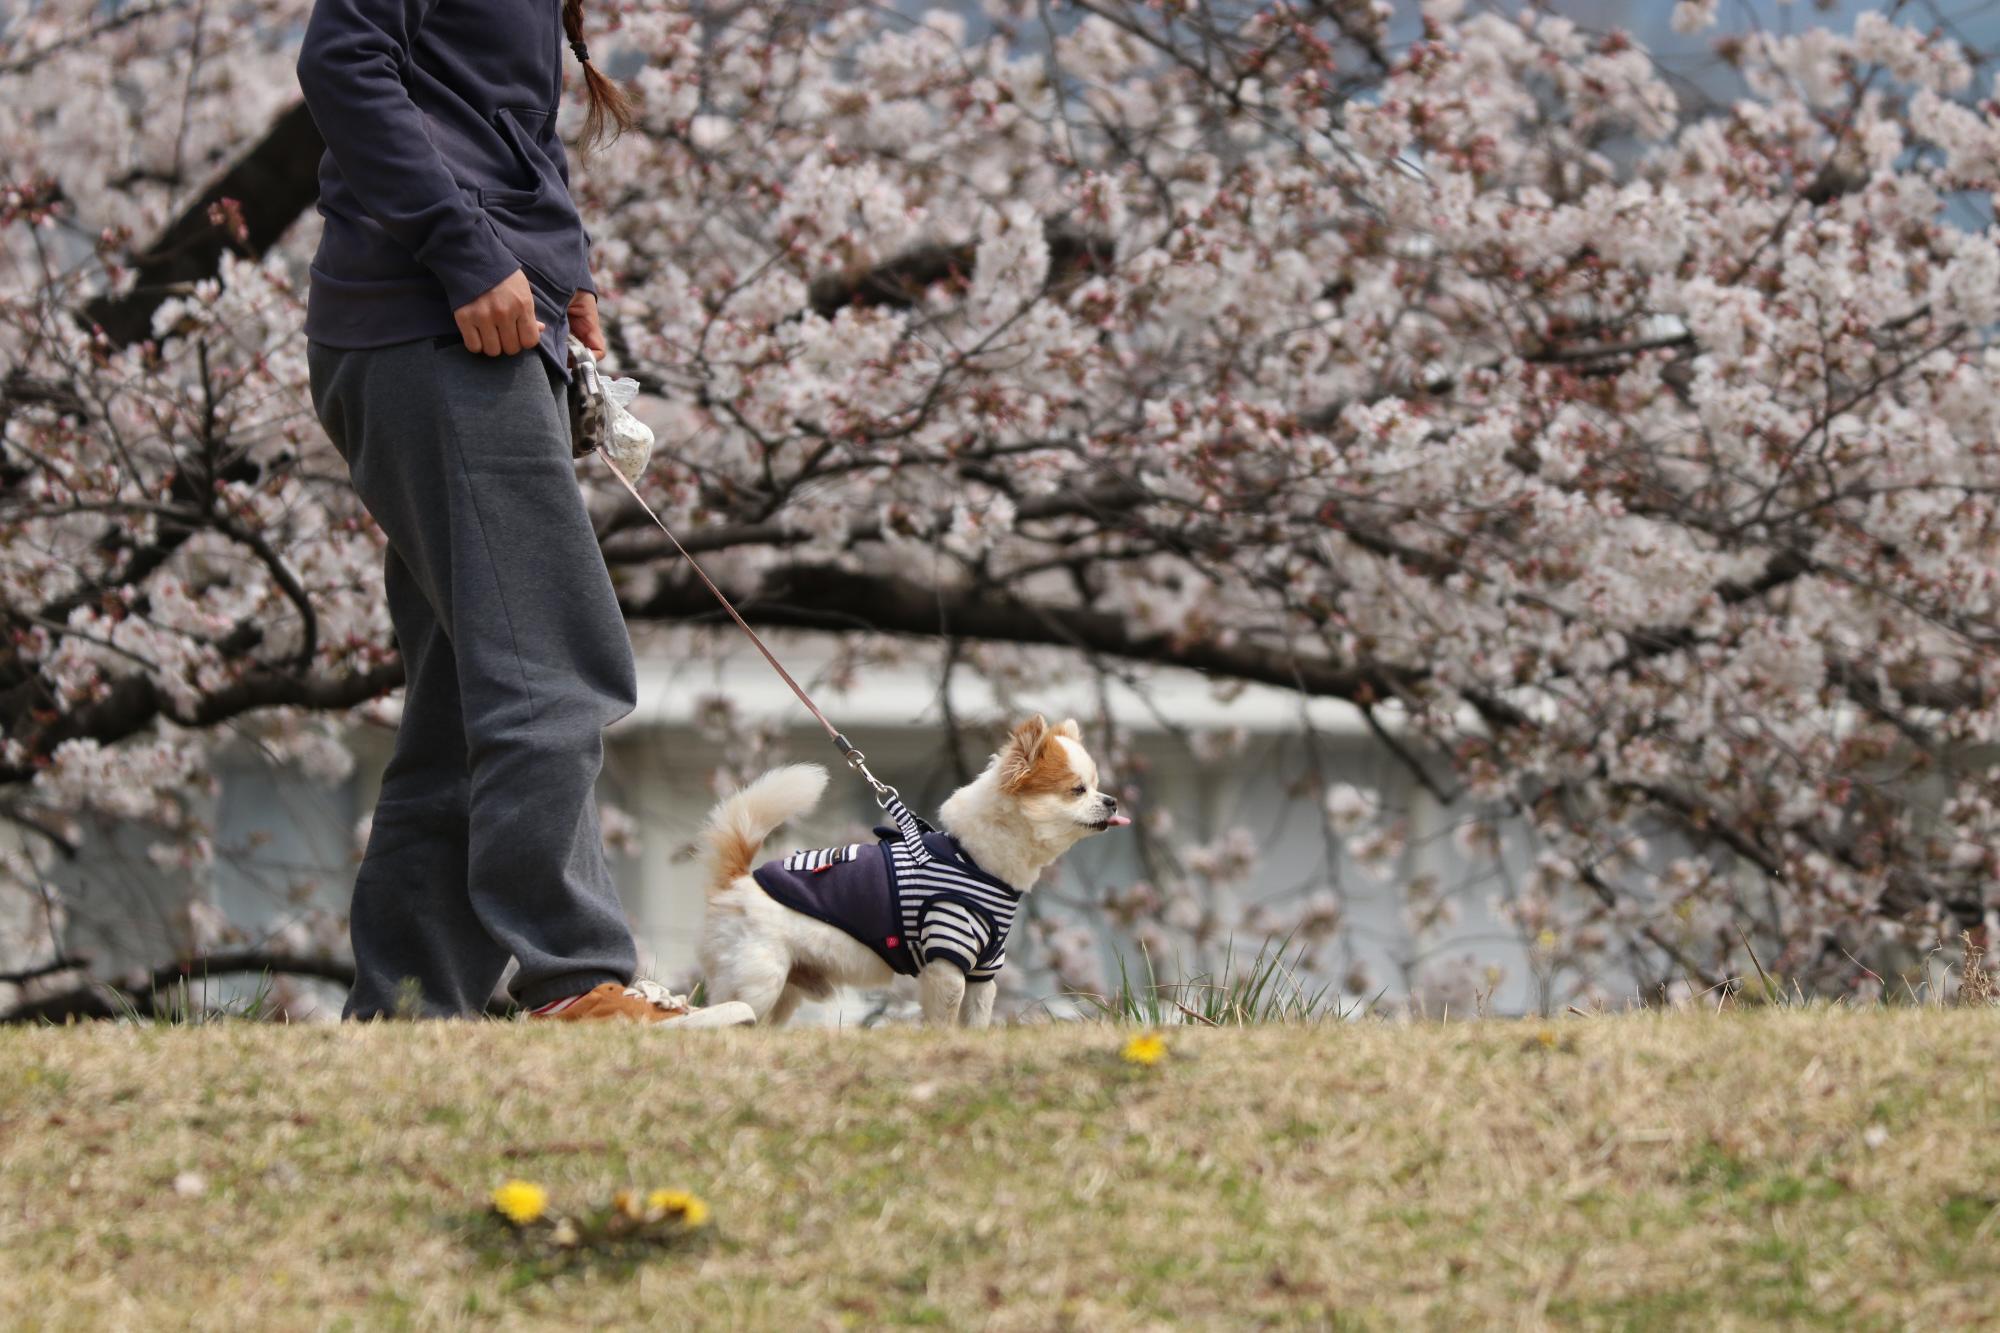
914	897
821	859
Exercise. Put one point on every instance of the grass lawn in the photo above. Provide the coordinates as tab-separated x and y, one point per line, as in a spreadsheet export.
1756	1169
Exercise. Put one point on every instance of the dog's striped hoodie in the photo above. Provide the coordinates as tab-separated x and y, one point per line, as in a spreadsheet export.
914	896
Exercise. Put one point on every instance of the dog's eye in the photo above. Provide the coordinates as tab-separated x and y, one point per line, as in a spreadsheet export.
1078	790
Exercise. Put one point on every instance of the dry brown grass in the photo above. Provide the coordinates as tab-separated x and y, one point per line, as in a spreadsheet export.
1774	1168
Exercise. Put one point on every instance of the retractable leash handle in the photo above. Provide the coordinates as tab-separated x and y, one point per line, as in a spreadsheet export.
884	793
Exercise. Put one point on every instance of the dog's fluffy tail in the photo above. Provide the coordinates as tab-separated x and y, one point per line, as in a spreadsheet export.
738	827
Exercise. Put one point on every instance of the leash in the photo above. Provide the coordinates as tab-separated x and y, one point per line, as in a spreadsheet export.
857	761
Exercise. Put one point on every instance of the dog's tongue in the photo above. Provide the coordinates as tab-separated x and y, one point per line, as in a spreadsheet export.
1119	821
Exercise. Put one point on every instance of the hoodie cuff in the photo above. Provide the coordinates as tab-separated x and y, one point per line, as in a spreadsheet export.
471	263
938	954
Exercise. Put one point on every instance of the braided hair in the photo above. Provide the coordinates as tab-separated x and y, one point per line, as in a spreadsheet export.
607	104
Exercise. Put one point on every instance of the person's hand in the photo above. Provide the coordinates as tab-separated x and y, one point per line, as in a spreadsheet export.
501	321
583	322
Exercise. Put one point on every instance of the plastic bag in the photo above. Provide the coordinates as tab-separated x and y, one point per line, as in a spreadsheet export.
630	447
599	415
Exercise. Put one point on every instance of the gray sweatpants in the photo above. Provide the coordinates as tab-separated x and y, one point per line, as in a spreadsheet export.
485	843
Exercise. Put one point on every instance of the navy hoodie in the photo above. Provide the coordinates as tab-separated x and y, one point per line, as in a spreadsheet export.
915	896
443	173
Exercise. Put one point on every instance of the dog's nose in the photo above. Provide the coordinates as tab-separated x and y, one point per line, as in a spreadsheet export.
1110	805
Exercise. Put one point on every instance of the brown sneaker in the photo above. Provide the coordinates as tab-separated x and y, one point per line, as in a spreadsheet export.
645	1002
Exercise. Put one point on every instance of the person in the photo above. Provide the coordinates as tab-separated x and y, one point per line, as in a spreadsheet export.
451	268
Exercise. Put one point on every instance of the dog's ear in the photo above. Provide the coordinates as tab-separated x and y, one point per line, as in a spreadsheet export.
1067	727
1018	755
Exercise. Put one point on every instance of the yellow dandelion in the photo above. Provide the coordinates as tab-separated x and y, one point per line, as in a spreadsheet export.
690	1209
1146	1048
1547	1037
520	1202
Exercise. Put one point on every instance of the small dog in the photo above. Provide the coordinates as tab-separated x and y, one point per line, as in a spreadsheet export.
919	902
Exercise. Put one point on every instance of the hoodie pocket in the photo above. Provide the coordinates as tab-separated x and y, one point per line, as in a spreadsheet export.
540	225
501	197
526	130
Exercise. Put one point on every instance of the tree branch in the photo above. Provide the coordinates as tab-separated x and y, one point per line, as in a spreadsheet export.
40	970
265	191
135	703
821	597
143	996
900	282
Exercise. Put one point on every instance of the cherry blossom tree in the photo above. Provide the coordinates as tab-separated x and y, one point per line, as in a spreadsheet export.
1628	463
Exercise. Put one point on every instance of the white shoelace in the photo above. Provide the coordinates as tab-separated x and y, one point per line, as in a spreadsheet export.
654	993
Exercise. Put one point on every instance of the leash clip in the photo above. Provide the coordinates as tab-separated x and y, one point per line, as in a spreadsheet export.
884	793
